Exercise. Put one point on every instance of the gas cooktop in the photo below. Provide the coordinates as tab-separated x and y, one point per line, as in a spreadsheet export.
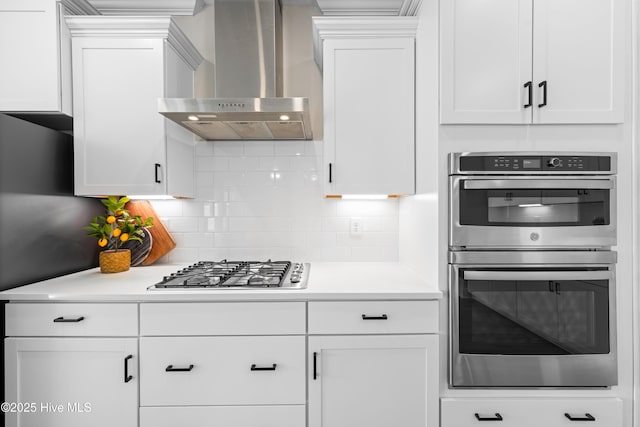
237	275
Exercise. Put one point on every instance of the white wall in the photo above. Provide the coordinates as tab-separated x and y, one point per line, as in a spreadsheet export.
423	218
264	199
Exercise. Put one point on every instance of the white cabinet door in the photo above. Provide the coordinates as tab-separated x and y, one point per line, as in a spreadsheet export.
119	135
373	381
579	51
500	57
122	145
33	40
369	135
69	382
485	61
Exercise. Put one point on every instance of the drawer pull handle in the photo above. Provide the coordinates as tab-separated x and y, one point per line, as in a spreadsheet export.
127	377
170	368
61	319
496	417
587	417
383	317
263	368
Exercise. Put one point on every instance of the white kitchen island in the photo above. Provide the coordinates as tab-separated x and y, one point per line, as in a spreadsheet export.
358	346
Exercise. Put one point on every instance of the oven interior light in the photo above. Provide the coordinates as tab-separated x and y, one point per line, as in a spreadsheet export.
531	205
193	118
284	117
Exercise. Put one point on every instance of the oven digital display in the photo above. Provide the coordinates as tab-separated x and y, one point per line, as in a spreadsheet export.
531	163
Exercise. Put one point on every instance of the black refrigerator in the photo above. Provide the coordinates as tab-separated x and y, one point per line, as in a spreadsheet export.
41	221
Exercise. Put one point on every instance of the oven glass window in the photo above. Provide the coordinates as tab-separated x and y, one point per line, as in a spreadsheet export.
534	207
533	317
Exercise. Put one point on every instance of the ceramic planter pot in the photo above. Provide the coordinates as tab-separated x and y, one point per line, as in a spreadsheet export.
112	261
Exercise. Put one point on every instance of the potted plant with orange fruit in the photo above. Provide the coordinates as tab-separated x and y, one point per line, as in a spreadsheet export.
115	228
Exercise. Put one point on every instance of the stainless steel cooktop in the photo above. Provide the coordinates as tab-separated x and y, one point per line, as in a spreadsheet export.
237	275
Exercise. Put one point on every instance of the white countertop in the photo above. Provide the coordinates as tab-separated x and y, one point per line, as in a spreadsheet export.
327	281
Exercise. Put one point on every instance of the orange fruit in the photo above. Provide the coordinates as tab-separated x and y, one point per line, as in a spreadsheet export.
111	219
124	237
117	232
102	243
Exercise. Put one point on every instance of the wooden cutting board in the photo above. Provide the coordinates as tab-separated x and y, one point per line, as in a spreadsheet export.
163	243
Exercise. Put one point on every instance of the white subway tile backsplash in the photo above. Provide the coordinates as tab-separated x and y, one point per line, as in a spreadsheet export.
264	199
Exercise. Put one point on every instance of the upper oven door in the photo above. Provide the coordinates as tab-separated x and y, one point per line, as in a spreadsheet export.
532	212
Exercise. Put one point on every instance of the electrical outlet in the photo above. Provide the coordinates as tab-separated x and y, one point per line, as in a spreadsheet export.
355	226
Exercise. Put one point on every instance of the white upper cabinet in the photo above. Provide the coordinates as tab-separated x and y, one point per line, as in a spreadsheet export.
35	47
369	104
122	145
532	61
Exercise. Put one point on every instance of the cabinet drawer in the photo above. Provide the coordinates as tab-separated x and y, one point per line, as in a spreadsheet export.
373	317
219	416
532	412
72	320
222	370
232	318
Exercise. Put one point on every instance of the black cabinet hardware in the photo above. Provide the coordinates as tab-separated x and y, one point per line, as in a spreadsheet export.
587	417
330	172
543	85
530	86
263	368
127	377
315	364
383	317
496	417
157	173
61	319
170	368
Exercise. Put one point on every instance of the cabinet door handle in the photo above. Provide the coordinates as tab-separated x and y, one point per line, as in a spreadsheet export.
383	317
61	319
530	86
330	172
264	368
587	417
158	166
315	365
127	377
170	368
495	417
543	85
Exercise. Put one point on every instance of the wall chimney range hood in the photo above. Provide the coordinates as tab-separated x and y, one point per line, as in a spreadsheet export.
248	80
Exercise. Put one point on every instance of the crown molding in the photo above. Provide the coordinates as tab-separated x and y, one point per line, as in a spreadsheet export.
148	7
78	7
361	27
369	7
142	27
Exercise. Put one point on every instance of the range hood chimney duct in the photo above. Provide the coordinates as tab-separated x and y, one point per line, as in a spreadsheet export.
248	80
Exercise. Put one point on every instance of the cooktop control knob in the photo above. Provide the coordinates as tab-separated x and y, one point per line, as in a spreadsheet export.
553	162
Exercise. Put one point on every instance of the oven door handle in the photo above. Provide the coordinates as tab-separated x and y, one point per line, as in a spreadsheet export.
489	184
537	275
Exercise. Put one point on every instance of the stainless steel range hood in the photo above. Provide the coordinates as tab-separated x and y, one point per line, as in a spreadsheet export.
248	82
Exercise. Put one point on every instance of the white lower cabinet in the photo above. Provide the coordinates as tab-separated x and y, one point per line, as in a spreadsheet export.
385	375
224	416
531	412
71	382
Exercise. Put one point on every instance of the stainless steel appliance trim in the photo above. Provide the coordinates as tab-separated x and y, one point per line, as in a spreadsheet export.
537	275
564	183
532	258
519	371
454	162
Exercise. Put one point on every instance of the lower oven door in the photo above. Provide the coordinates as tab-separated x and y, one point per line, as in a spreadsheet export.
533	326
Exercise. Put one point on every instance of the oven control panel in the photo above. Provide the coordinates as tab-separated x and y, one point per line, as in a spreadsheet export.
534	163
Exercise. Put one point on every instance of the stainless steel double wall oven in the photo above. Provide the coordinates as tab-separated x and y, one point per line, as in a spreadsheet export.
531	271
